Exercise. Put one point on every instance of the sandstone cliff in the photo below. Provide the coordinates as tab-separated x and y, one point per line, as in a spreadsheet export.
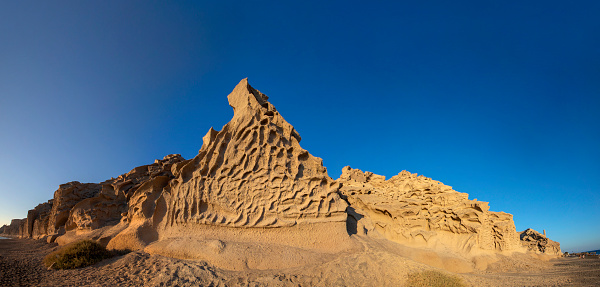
253	173
17	227
253	198
418	210
251	183
87	206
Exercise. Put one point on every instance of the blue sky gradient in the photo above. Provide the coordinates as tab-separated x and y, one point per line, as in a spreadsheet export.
500	100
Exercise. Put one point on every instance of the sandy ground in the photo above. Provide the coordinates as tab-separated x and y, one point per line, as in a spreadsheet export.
21	265
530	272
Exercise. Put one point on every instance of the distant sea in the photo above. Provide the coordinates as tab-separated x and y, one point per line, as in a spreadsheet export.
3	237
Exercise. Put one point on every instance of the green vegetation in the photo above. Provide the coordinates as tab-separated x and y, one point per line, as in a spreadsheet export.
432	278
78	254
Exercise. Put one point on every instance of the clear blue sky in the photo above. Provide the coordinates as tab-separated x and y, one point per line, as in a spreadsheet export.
499	99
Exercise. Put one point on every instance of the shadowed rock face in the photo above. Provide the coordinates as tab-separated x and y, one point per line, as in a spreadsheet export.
38	219
65	198
417	210
17	227
539	243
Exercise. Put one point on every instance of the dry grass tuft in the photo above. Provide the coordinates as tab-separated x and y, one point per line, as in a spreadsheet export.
432	278
78	254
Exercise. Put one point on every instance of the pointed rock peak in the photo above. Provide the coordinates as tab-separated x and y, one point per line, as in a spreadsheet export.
209	137
254	173
250	104
245	98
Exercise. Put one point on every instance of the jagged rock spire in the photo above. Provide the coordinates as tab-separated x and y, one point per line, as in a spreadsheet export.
253	173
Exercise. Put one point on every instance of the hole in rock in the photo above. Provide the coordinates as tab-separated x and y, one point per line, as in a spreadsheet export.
303	156
352	220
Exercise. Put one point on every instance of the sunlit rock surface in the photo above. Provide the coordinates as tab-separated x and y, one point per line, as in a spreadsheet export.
253	198
418	210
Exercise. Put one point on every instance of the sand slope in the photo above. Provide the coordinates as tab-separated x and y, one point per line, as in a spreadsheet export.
378	264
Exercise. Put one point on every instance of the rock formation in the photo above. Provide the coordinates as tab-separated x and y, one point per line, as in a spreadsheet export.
417	210
65	198
38	219
253	173
111	203
17	227
87	206
539	243
252	177
253	198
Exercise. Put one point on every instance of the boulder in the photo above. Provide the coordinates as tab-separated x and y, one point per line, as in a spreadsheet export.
539	243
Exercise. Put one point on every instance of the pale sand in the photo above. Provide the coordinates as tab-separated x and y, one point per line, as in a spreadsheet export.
378	264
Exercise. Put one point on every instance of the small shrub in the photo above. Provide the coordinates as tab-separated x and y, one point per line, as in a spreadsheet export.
432	278
78	254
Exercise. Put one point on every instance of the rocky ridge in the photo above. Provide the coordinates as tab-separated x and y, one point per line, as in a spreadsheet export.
418	210
253	187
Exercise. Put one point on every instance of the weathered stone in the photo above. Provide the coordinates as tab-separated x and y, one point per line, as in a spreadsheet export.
251	183
253	187
417	210
17	227
253	173
107	207
539	243
65	198
37	220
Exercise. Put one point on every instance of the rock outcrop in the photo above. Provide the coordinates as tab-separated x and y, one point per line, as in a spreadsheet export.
253	173
17	227
82	207
38	219
252	182
539	243
417	210
110	205
65	198
253	198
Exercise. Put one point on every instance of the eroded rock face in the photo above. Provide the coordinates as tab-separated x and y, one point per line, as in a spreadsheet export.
65	198
250	186
253	193
89	206
253	173
17	227
112	202
417	210
146	203
539	243
38	219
